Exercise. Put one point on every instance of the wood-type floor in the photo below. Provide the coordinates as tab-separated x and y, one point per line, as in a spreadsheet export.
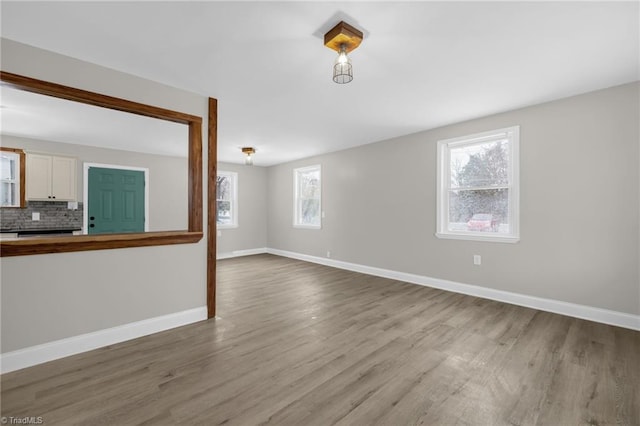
304	344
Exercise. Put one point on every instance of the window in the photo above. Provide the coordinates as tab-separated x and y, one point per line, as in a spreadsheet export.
478	187
227	200
12	171
307	189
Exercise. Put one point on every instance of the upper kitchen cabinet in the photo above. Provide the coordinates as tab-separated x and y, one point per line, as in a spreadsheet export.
51	178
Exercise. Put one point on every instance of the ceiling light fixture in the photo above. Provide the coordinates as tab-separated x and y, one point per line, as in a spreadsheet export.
343	38
248	151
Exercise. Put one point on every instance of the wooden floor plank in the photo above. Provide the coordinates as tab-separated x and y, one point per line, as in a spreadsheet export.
303	344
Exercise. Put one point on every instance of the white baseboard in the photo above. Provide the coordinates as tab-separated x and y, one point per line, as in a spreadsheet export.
590	313
238	253
45	352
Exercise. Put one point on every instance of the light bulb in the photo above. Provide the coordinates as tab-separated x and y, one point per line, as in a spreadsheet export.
342	69
342	57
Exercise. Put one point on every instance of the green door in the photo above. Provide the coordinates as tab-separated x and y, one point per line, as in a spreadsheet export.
115	201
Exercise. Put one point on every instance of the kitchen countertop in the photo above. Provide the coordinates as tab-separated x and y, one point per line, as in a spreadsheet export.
22	234
39	231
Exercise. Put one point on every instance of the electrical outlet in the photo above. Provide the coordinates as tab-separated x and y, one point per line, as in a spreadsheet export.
219	233
328	253
477	259
35	216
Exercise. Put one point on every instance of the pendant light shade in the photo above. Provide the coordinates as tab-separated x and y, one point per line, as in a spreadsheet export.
342	68
248	151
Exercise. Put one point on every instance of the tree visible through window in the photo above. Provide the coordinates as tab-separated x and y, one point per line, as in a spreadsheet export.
307	197
226	199
478	191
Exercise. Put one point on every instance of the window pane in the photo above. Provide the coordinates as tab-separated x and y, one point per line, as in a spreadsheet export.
309	184
307	204
310	212
480	165
8	166
226	199
223	188
223	212
485	210
7	194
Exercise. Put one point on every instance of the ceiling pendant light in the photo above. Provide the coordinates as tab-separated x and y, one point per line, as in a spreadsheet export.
343	38
248	151
342	68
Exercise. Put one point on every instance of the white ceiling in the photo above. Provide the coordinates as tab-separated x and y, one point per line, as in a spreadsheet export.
420	66
59	120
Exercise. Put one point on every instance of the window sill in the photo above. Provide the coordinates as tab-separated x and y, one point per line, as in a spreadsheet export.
477	237
307	226
226	226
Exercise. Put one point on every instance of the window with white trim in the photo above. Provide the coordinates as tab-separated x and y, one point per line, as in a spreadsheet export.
227	199
307	197
11	177
478	187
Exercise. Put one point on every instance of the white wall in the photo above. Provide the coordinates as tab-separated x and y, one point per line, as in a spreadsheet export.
251	232
579	205
54	296
168	180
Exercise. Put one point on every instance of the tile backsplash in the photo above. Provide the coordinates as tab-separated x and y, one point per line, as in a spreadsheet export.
53	215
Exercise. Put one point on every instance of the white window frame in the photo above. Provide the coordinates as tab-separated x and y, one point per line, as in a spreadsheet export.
296	196
15	183
512	134
234	200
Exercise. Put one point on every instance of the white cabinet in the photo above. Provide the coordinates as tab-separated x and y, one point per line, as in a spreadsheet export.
64	178
51	178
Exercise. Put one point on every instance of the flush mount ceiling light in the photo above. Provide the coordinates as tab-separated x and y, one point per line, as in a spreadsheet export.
343	38
248	151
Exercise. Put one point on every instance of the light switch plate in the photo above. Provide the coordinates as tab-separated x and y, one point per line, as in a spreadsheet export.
35	216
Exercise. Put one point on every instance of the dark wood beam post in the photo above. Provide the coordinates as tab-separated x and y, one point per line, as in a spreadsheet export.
212	171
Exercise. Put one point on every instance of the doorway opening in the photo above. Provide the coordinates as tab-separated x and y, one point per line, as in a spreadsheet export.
116	199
